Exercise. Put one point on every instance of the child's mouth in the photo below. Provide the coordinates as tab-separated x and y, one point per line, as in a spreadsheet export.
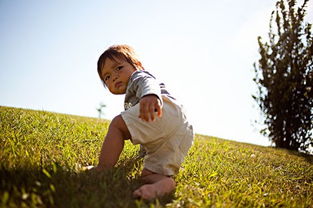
118	84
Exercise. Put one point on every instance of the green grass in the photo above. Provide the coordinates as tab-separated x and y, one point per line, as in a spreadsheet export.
42	155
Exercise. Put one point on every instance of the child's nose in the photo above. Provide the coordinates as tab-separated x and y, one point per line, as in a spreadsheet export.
115	76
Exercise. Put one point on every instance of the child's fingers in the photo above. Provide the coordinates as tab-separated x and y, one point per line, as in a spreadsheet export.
155	108
137	194
149	106
158	109
151	112
147	112
144	111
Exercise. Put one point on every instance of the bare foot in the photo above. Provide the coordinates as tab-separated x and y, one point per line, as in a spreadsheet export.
158	189
147	192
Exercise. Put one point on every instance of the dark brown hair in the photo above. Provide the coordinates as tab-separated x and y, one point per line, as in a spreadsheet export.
119	52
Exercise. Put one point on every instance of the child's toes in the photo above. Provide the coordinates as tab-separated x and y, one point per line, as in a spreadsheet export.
137	194
146	192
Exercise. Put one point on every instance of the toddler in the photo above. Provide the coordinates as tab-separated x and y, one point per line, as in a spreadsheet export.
152	118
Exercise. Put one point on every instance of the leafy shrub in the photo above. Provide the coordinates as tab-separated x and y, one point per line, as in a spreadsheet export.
284	76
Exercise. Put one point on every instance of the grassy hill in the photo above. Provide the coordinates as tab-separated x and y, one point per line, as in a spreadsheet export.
42	155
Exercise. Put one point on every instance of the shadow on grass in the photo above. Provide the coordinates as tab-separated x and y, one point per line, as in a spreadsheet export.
306	156
56	187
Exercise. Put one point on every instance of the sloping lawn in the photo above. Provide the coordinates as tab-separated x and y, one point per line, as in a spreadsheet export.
42	157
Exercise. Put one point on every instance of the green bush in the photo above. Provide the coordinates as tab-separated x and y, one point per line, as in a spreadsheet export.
284	77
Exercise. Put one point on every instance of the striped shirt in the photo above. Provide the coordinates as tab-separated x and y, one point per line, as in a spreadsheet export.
142	83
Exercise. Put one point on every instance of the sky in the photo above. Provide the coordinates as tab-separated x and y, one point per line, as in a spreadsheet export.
203	51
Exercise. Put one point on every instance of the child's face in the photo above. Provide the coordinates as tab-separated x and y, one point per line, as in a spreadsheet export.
115	74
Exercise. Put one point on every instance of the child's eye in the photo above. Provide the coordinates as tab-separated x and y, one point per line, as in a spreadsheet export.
119	68
106	78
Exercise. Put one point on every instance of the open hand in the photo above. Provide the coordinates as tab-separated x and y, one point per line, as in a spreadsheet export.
150	106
